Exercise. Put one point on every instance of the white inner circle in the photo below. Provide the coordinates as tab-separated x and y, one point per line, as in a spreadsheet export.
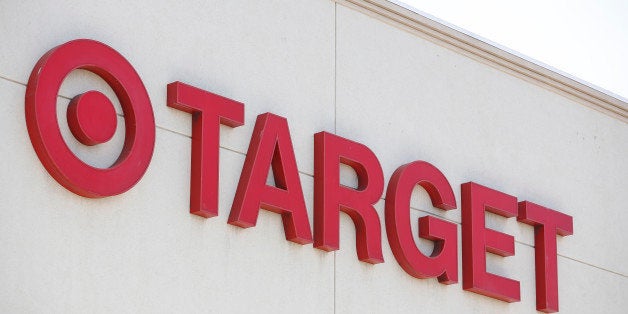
101	155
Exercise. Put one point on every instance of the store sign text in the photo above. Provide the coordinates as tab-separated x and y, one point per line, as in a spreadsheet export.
92	120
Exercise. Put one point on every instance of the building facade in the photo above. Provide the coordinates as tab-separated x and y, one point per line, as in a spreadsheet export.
392	82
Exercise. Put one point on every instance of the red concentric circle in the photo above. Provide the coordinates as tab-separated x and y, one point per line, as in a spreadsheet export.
43	128
92	118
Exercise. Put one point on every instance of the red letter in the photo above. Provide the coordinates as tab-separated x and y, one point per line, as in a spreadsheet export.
330	197
476	240
271	144
443	262
547	223
208	112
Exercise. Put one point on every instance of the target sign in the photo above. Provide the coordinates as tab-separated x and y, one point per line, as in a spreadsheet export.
92	120
91	117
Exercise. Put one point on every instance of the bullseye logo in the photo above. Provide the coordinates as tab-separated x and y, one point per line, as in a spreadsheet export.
91	118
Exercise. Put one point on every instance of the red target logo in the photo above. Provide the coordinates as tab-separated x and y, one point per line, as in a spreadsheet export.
91	118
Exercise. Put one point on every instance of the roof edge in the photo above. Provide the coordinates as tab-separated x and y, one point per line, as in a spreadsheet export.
444	34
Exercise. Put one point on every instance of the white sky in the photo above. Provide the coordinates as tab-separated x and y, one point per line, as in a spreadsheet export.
587	39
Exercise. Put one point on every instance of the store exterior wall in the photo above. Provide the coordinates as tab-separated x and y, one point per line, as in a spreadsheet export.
339	67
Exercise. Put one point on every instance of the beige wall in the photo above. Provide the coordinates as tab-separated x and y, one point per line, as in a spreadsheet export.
325	67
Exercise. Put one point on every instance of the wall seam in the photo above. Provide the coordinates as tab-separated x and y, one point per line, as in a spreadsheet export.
335	111
11	80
